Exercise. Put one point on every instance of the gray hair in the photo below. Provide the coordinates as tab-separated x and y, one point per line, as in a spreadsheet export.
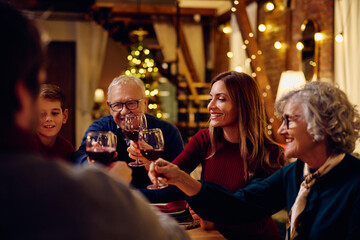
123	79
327	112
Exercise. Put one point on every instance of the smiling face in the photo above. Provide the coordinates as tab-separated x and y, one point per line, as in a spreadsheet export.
51	118
123	93
223	112
299	143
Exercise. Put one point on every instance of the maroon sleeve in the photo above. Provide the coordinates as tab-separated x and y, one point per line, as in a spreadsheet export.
194	152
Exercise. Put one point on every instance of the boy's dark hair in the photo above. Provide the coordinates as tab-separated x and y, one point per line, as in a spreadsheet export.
53	92
21	59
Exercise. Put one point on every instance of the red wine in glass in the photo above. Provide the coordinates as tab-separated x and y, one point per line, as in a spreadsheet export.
132	134
133	124
152	154
102	155
101	147
151	144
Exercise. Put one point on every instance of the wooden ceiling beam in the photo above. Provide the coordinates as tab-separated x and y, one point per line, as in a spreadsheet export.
153	9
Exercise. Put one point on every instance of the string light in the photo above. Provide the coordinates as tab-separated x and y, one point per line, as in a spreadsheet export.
251	35
269	6
233	9
227	29
229	54
339	37
262	28
238	69
300	46
318	36
277	45
236	2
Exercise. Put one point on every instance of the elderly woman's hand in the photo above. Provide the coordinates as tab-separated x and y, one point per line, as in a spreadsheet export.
120	170
134	153
164	171
169	173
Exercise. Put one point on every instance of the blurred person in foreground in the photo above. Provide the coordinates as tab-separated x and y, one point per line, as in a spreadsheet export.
126	94
321	189
234	150
53	115
43	199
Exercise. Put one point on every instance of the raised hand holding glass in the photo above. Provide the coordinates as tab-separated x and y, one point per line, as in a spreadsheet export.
101	147
151	144
133	124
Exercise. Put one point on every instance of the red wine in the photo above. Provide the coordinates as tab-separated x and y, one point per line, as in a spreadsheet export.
152	154
102	155
132	134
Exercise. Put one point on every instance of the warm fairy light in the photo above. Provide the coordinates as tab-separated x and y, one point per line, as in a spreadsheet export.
312	63
243	47
339	37
246	41
251	34
259	52
300	46
165	66
147	51
303	26
233	9
269	6
277	45
253	74
253	56
238	69
258	69
227	29
236	2
229	54
318	36
262	27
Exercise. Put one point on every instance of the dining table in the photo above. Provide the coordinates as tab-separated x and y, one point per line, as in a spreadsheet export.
201	234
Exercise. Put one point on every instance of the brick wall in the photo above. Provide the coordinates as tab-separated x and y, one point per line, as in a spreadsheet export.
283	24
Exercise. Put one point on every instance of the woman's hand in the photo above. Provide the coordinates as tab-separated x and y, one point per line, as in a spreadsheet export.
120	170
134	153
169	173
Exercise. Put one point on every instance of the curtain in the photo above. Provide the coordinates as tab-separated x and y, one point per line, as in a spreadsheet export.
91	42
347	53
167	37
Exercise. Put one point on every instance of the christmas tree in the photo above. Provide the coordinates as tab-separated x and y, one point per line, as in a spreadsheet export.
142	65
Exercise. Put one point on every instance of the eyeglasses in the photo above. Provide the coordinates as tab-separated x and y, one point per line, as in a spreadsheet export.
288	118
130	105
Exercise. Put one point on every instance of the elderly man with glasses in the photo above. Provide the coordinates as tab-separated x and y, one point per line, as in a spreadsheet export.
126	94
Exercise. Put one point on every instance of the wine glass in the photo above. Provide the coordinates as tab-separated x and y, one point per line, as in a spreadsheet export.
133	124
101	147
151	144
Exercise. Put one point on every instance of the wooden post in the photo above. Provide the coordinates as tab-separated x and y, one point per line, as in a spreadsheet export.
257	65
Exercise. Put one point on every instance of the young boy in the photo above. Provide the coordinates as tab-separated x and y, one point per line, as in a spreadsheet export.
52	116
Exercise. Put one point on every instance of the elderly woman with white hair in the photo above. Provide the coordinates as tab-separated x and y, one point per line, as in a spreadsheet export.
321	189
